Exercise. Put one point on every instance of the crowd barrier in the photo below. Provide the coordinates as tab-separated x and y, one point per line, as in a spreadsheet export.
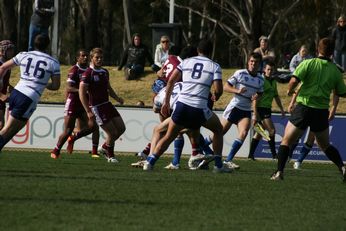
46	124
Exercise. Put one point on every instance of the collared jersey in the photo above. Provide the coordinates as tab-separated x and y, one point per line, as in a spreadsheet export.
198	74
160	97
253	85
319	78
36	68
97	80
269	93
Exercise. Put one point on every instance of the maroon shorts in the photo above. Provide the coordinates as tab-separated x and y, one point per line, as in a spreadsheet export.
104	112
73	108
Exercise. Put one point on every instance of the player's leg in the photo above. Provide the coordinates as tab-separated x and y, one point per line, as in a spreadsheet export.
95	137
292	133
218	128
243	129
2	114
10	129
69	124
162	145
114	128
305	150
253	145
331	152
269	126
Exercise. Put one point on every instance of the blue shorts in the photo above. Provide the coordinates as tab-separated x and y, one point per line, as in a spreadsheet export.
158	85
21	106
236	114
190	117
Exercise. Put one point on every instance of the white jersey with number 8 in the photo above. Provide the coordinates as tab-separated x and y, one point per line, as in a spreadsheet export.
198	74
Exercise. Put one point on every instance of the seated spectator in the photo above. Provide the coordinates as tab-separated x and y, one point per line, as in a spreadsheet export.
161	52
299	57
268	55
134	57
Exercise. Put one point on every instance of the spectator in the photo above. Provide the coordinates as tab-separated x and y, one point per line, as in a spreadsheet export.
134	57
339	35
161	52
268	55
6	53
299	57
38	71
43	11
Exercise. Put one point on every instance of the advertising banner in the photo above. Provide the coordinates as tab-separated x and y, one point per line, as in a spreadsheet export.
337	131
46	124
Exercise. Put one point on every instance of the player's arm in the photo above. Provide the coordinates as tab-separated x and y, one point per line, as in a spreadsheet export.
83	96
292	84
55	83
218	90
4	68
114	95
293	99
176	76
254	111
279	103
228	87
335	102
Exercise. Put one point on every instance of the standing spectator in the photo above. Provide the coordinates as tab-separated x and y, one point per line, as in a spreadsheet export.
339	35
6	53
94	92
264	111
267	54
161	52
43	11
36	69
74	110
302	54
134	57
319	77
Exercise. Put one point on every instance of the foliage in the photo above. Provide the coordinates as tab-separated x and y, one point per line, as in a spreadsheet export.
233	25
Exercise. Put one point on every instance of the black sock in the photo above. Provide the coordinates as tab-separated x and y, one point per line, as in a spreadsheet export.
253	146
290	153
271	143
333	154
282	157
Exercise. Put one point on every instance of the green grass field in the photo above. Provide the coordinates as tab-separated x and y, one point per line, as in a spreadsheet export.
80	193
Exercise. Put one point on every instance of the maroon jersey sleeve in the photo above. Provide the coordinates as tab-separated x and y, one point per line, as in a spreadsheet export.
73	76
170	65
86	76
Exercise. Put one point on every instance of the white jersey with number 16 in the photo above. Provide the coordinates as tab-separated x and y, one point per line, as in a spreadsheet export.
36	68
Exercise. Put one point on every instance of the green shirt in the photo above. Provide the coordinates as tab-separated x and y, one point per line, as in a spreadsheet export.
269	92
319	78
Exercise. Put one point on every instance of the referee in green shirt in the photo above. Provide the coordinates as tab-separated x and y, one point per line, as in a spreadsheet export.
319	77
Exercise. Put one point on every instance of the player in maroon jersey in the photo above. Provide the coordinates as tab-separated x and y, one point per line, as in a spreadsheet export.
163	76
6	53
94	93
74	110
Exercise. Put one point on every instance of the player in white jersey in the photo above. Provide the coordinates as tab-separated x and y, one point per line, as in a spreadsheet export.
199	73
247	86
36	69
160	97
